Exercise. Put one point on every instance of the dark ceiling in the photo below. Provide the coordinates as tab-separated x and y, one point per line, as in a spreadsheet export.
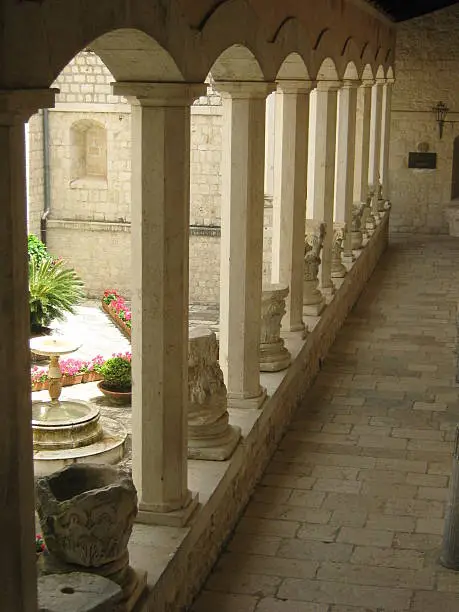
400	10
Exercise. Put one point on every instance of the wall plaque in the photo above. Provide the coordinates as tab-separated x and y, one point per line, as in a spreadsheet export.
424	161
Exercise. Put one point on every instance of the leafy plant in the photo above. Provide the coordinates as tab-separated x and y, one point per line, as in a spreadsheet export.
117	374
53	291
36	248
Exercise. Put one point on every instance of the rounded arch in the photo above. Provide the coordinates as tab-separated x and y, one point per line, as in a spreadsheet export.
236	63
350	53
380	75
327	70
232	40
292	39
351	73
132	55
390	73
293	68
367	73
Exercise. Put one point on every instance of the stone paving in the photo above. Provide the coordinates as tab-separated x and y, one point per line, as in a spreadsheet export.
350	511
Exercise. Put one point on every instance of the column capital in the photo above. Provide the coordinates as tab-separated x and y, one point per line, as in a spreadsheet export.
160	94
293	87
329	85
244	90
21	104
366	83
351	84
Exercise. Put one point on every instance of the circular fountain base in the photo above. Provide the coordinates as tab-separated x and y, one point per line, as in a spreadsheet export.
58	425
108	449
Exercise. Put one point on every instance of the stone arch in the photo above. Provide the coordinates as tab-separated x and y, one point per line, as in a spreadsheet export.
349	54
327	70
293	68
367	73
351	73
390	73
380	75
232	40
236	63
88	152
292	39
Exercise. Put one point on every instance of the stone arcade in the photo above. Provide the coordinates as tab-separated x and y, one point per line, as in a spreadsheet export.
331	66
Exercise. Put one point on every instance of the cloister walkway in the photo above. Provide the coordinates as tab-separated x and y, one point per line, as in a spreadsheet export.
350	511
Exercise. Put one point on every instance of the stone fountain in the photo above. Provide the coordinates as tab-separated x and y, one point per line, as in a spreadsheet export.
70	430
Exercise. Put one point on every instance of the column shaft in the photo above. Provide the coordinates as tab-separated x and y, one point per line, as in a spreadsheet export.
18	564
385	136
289	204
345	156
375	135
362	142
321	169
160	237
242	239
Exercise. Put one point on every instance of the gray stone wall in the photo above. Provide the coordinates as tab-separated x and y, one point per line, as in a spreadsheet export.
427	71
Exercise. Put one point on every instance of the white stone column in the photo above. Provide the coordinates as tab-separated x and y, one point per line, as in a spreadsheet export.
160	236
273	354
321	170
385	135
18	562
289	204
345	156
241	263
270	137
362	142
210	436
375	135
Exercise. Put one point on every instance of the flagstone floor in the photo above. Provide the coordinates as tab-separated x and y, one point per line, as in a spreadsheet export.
349	514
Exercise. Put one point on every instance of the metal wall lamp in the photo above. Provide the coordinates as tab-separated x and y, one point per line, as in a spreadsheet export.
440	110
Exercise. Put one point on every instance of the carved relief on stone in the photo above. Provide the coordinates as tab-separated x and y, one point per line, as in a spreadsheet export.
86	514
313	299
338	269
210	436
273	354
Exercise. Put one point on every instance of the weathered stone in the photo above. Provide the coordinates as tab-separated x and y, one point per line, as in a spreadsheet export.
209	434
313	300
338	270
78	592
273	354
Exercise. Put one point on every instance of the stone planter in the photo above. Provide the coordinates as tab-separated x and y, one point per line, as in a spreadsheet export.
117	398
86	514
273	354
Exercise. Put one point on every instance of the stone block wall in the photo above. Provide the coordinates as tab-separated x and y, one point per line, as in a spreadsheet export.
90	213
427	71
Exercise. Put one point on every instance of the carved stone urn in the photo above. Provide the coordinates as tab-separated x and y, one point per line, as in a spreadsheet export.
313	300
210	436
86	514
273	354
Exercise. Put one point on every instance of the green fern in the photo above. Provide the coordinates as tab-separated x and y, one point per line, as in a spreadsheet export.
53	291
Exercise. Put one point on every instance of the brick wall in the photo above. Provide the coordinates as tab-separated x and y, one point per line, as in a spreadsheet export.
427	71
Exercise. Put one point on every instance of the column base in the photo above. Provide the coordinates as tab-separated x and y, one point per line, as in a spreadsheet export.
339	273
294	327
348	258
217	450
247	402
174	518
278	359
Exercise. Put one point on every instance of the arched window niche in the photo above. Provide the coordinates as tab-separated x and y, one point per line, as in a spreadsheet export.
88	158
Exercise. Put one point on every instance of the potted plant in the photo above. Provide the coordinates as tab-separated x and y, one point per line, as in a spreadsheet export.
117	381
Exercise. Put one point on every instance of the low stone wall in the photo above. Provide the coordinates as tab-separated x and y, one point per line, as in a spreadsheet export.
189	554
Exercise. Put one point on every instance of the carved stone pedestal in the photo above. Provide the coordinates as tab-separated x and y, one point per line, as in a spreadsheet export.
210	436
356	233
313	300
86	514
338	270
273	354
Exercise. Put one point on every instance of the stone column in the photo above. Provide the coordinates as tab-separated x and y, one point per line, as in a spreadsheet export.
241	264
375	143
273	354
345	155
289	204
313	300
338	270
210	436
321	171
362	147
160	235
18	563
270	137
385	135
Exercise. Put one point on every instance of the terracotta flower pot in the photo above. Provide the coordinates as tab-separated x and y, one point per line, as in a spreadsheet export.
117	398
